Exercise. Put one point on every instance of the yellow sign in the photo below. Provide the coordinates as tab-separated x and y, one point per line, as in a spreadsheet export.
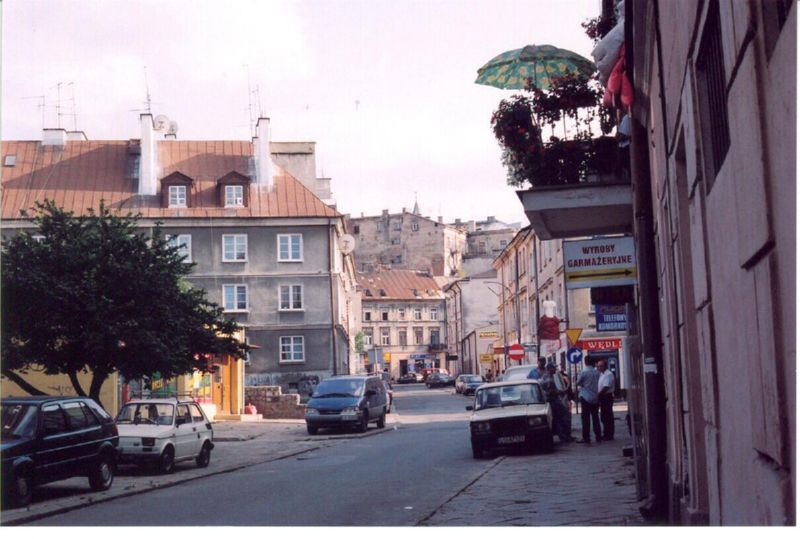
486	358
573	334
387	356
487	335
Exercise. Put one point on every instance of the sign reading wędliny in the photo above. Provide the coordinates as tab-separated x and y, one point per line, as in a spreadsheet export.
600	262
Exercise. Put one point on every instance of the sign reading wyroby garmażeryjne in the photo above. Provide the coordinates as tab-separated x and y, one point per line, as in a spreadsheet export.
600	262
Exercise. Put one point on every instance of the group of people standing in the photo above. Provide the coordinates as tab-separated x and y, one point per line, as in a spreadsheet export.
595	393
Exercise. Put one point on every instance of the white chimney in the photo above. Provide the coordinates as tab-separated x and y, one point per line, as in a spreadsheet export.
263	157
54	137
148	162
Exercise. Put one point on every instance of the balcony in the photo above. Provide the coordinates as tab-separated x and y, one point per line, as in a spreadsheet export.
437	347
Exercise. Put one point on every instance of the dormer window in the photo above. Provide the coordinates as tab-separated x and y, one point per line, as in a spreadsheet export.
177	196
234	196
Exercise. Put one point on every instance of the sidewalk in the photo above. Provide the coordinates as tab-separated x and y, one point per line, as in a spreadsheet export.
576	485
237	445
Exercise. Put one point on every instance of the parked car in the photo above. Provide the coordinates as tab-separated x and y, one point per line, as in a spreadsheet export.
427	371
410	378
466	384
439	379
164	431
389	396
47	439
342	401
507	414
520	372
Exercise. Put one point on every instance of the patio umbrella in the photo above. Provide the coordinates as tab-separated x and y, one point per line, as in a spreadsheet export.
511	70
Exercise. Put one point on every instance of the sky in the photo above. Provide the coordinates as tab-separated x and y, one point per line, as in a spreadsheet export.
384	87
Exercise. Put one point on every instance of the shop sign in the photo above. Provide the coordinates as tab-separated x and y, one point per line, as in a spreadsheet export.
593	345
419	356
611	318
600	262
486	358
487	335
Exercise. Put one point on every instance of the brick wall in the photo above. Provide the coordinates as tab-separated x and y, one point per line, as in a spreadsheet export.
271	403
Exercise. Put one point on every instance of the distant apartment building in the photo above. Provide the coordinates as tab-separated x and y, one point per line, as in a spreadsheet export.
266	248
407	240
403	316
485	241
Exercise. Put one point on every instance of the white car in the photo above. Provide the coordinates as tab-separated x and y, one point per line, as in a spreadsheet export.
164	431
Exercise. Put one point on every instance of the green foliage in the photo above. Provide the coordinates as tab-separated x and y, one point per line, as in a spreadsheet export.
95	294
359	342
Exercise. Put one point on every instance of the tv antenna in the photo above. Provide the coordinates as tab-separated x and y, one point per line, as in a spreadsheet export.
58	100
40	105
252	122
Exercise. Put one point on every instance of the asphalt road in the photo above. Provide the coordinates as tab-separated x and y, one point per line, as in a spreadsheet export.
394	479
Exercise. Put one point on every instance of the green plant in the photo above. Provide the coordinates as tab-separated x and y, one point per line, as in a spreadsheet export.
597	27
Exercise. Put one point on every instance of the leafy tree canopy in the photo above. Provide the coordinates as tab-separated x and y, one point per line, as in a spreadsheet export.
92	293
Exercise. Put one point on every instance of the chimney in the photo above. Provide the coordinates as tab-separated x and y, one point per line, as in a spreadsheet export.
54	137
439	218
263	157
148	163
405	210
491	219
458	221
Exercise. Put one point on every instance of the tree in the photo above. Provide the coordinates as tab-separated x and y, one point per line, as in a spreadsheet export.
92	293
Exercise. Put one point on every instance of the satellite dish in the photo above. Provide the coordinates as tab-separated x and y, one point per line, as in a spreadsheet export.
173	128
347	243
161	123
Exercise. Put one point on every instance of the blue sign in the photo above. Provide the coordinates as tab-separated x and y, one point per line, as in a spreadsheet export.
611	317
575	355
419	356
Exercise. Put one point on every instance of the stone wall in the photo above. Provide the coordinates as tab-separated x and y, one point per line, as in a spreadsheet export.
271	403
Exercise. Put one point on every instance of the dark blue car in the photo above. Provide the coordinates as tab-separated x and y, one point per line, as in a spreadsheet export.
347	401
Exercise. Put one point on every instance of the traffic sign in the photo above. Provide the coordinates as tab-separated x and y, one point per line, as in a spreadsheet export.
573	334
574	355
609	261
516	352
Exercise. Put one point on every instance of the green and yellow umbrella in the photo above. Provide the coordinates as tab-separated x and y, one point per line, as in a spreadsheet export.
542	63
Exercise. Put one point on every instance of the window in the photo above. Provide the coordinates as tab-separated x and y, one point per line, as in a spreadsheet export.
234	297
292	349
177	196
418	336
503	244
53	420
385	340
398	225
434	336
356	229
291	297
379	226
414	226
482	247
384	315
402	335
10	161
368	337
395	241
234	196
434	313
75	415
234	248
401	313
290	247
184	244
417	314
197	415
367	316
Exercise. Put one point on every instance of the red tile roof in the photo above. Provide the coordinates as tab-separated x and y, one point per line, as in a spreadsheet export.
82	173
398	284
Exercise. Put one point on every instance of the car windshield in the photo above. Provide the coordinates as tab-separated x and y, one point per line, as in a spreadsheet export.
333	387
520	373
146	413
512	395
19	420
473	379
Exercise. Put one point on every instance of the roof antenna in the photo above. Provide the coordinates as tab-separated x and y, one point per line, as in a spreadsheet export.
58	101
74	111
40	105
252	122
147	90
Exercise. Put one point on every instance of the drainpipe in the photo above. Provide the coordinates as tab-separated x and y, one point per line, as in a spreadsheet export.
331	239
536	283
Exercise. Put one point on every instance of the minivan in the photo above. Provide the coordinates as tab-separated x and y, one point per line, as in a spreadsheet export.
347	401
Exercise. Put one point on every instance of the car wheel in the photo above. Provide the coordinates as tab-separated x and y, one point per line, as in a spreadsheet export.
382	420
102	475
477	451
22	489
166	463
312	430
364	425
204	457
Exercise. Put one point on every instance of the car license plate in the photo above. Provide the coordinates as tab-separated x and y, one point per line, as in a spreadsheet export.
511	439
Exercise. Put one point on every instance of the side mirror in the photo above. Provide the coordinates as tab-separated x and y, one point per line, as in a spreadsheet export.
470	408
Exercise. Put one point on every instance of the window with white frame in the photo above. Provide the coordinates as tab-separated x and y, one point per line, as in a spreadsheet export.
184	244
398	225
385	339
434	313
415	226
234	247
234	297
417	314
290	247
293	349
234	196
401	313
379	226
177	196
368	337
418	335
402	335
291	297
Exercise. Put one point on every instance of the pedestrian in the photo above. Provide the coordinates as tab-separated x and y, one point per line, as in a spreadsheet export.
566	397
489	376
605	395
540	369
554	391
587	385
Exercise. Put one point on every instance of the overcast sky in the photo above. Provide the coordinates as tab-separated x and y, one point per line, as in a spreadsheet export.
385	87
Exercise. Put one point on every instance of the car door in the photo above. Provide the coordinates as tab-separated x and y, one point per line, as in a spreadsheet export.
185	434
201	424
57	448
86	437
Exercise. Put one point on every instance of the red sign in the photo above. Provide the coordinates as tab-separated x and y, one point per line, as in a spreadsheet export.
516	352
600	344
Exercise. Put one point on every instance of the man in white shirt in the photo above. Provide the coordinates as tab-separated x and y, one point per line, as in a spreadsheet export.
605	393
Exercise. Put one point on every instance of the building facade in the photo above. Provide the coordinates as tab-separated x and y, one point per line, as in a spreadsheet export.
404	318
485	241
